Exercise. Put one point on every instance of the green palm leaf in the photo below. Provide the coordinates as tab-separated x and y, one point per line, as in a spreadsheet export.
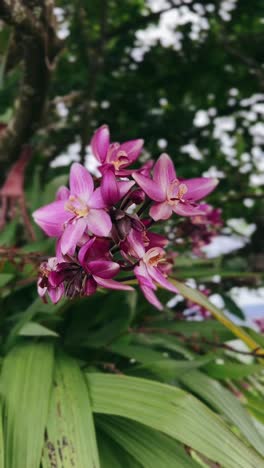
173	412
26	382
151	448
70	431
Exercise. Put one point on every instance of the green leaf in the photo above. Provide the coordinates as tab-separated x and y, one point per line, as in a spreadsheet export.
112	455
224	402
2	454
198	298
27	316
5	278
172	411
231	370
70	429
8	234
26	383
157	363
232	307
35	329
151	448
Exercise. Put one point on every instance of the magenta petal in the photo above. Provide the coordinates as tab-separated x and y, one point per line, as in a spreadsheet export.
63	193
112	284
51	218
81	182
72	235
164	172
90	287
100	143
160	211
147	286
103	268
109	188
135	241
157	276
150	188
199	187
96	200
56	293
132	148
124	187
99	222
156	240
85	251
185	209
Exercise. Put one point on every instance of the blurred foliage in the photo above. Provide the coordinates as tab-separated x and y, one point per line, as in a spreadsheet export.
107	380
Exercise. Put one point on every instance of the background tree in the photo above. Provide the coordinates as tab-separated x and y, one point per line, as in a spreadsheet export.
187	76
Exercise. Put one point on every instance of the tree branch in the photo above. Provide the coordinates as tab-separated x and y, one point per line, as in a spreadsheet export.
35	31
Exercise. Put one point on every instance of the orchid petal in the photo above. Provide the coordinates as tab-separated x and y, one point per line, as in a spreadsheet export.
164	172
199	187
109	188
157	276
99	222
51	218
100	143
90	287
96	200
185	209
156	240
150	188
147	286
136	245
72	235
62	193
124	187
103	268
132	148
56	294
160	211
112	284
81	182
83	254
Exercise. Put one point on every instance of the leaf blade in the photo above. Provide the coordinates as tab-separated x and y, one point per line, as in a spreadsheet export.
180	415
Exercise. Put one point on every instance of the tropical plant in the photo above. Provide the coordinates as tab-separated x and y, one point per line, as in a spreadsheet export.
153	373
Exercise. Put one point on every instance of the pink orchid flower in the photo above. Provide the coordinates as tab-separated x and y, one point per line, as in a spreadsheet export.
44	284
171	194
100	271
115	154
113	190
149	269
80	209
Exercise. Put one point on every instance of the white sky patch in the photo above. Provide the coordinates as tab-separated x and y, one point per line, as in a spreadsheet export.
71	155
165	32
244	296
192	150
201	118
214	172
162	143
221	245
63	25
241	226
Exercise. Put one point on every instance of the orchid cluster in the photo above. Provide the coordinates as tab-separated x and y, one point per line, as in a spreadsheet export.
104	226
199	230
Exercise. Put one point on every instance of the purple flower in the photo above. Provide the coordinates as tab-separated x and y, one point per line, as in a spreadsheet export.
45	286
99	271
115	154
75	212
82	275
171	194
149	269
113	190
